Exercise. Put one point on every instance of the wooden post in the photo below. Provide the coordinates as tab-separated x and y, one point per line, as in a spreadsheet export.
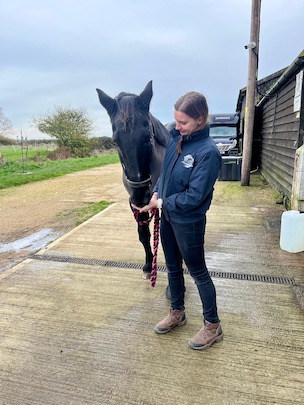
253	49
297	192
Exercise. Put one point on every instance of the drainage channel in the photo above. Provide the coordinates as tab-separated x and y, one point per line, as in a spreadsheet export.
124	265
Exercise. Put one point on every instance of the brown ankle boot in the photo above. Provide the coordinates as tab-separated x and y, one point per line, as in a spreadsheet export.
209	334
175	318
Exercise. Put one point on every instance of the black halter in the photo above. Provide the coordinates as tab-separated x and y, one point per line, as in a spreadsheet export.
139	184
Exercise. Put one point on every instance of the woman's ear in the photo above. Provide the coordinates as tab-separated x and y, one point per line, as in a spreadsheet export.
200	121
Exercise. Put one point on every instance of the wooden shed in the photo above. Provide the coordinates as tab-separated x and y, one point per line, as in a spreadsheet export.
279	124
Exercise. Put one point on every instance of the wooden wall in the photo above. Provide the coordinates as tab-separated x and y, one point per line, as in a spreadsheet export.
280	138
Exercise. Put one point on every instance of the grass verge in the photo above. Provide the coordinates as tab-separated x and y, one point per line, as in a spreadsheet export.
79	215
85	213
16	174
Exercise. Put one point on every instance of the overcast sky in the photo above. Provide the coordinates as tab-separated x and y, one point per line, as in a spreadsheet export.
55	53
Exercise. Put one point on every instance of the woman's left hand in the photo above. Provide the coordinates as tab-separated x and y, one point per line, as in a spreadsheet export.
152	204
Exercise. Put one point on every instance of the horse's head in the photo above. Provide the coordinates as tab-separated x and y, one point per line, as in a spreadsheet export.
132	133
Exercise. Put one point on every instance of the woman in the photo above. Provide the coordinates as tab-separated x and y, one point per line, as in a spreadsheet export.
184	192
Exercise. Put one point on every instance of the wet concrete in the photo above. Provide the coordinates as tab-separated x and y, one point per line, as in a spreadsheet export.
31	243
14	252
83	334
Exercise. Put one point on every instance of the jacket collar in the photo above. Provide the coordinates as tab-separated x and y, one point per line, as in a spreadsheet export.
195	136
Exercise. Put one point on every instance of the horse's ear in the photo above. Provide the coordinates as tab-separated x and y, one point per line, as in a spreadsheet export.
108	102
146	95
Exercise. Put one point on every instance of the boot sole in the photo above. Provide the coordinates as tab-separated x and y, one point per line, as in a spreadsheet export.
204	347
161	331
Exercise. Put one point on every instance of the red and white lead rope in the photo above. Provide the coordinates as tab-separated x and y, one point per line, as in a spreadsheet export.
155	215
155	247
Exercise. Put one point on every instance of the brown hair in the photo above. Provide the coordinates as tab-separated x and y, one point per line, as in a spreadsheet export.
193	104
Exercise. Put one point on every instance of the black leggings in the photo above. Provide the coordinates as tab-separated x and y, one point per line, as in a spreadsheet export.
186	241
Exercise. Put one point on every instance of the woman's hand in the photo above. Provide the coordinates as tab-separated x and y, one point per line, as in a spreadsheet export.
152	204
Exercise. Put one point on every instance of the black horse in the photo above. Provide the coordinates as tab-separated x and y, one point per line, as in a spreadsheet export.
141	142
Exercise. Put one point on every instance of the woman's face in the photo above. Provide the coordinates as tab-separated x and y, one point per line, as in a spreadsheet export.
187	125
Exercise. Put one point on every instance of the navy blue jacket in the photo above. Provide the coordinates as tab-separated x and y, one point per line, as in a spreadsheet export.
187	180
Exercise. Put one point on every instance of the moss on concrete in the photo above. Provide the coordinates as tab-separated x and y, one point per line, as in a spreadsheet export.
239	195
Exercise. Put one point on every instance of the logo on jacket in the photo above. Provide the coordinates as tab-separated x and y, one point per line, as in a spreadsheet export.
188	161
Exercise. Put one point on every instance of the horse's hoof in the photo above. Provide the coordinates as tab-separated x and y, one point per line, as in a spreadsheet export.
146	276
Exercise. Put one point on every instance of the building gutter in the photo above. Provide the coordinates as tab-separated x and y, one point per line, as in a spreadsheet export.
294	68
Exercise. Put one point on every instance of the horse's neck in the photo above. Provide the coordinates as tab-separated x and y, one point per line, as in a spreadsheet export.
160	133
161	139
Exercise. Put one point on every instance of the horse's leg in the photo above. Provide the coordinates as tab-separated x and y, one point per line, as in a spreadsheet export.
145	237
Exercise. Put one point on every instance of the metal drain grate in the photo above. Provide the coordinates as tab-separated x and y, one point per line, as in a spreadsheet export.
253	277
124	265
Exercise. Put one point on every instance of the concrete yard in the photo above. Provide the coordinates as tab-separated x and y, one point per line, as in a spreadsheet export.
76	329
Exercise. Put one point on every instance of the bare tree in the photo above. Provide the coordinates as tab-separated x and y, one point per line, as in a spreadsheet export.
5	124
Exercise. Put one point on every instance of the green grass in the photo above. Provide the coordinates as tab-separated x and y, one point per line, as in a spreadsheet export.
83	214
16	154
15	172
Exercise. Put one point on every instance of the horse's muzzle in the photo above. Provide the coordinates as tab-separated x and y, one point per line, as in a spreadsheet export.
141	196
